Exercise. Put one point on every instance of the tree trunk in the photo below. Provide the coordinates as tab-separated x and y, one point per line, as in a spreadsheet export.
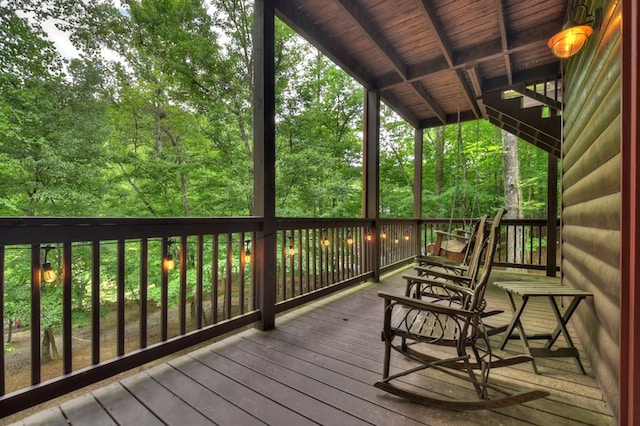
512	193
439	156
49	348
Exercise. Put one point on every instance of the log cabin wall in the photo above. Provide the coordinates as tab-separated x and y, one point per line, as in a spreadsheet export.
591	193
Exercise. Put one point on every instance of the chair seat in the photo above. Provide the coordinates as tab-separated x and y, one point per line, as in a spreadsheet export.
428	326
454	246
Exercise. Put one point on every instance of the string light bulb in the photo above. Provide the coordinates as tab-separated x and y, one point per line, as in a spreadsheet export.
292	250
169	263
383	234
325	239
48	274
349	238
247	251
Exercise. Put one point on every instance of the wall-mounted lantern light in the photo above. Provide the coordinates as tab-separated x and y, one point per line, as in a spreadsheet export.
575	32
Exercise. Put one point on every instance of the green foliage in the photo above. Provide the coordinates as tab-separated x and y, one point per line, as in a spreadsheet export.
153	118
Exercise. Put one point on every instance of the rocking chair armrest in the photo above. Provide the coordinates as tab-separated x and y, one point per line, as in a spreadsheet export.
426	266
457	236
461	289
422	305
460	280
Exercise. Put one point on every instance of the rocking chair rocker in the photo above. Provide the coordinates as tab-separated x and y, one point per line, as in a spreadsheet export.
454	321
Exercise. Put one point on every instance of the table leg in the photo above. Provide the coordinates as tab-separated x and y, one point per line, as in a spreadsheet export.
561	328
514	321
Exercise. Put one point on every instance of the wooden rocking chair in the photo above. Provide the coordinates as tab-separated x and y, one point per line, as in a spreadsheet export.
454	321
438	257
432	267
453	246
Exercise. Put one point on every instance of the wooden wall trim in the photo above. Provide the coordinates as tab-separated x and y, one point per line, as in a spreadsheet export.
629	380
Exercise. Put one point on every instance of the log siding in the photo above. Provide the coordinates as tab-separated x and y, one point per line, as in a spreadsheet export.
591	193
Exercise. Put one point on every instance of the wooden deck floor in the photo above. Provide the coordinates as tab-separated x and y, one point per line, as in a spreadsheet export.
318	367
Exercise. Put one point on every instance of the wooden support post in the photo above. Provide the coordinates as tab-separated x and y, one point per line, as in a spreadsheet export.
629	378
264	158
417	187
371	172
552	214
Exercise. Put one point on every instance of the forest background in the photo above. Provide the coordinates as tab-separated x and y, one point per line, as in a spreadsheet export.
149	115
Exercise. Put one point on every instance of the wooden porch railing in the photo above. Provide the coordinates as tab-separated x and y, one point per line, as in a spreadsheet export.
115	304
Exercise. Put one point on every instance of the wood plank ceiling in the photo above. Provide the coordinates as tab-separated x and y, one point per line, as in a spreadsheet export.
434	61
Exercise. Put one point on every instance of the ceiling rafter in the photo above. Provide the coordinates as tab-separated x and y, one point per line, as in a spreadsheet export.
302	25
420	52
447	52
479	54
373	34
425	96
436	29
468	92
504	39
364	22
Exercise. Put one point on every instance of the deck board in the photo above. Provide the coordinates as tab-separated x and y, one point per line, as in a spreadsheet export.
318	367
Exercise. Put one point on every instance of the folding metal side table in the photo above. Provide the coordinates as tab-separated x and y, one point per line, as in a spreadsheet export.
528	290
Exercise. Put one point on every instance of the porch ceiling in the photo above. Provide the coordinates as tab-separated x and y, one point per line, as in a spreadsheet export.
434	59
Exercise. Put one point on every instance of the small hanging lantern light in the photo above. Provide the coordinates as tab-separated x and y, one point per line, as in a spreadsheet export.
169	263
48	274
325	238
292	250
247	251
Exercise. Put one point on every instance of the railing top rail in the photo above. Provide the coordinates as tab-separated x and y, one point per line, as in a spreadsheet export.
34	230
301	223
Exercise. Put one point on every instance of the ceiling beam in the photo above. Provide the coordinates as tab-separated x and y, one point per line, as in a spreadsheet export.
504	39
436	29
363	21
475	55
426	97
468	92
551	71
447	52
302	25
373	34
393	103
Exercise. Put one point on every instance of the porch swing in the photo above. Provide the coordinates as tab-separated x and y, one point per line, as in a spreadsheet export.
455	246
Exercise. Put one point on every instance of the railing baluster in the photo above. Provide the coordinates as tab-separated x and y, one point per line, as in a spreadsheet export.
164	292
144	284
2	287
298	255
228	292
315	254
95	302
292	272
67	348
182	303
120	297
35	325
307	264
199	281
214	278
241	277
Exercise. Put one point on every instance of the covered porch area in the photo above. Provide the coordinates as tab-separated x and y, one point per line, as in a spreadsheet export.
318	367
